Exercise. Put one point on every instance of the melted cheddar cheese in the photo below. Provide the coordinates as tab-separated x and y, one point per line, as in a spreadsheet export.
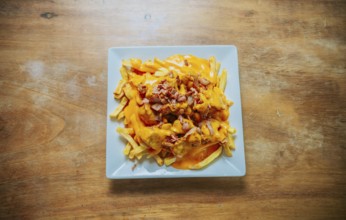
177	110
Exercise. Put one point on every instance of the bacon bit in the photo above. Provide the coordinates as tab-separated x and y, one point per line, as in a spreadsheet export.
204	81
172	93
210	128
160	124
181	98
158	118
163	101
192	130
186	63
172	138
163	92
198	100
185	126
154	99
178	80
156	107
194	91
142	89
180	119
165	109
196	83
156	90
189	100
145	101
199	130
167	144
163	84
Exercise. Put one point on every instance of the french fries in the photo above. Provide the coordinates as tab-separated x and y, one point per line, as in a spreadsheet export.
174	110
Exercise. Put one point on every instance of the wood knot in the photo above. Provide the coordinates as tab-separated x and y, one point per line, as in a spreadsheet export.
48	15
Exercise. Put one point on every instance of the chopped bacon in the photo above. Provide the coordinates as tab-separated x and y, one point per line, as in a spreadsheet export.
186	63
154	99
163	100
189	100
181	98
192	130
194	91
198	100
185	126
142	89
180	119
196	83
172	138
178	80
204	81
167	144
145	101
156	107
155	90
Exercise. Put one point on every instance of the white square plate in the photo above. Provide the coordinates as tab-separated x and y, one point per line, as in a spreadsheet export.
118	166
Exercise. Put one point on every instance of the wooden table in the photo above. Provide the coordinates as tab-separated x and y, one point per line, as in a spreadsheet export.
53	78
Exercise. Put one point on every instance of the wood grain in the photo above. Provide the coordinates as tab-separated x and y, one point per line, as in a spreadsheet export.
53	74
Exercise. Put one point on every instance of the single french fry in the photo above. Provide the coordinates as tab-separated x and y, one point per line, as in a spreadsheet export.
158	159
207	160
128	91
231	130
123	73
159	62
161	72
230	142
119	88
119	96
121	115
135	63
212	62
139	149
218	64
139	156
127	149
169	160
120	107
223	80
